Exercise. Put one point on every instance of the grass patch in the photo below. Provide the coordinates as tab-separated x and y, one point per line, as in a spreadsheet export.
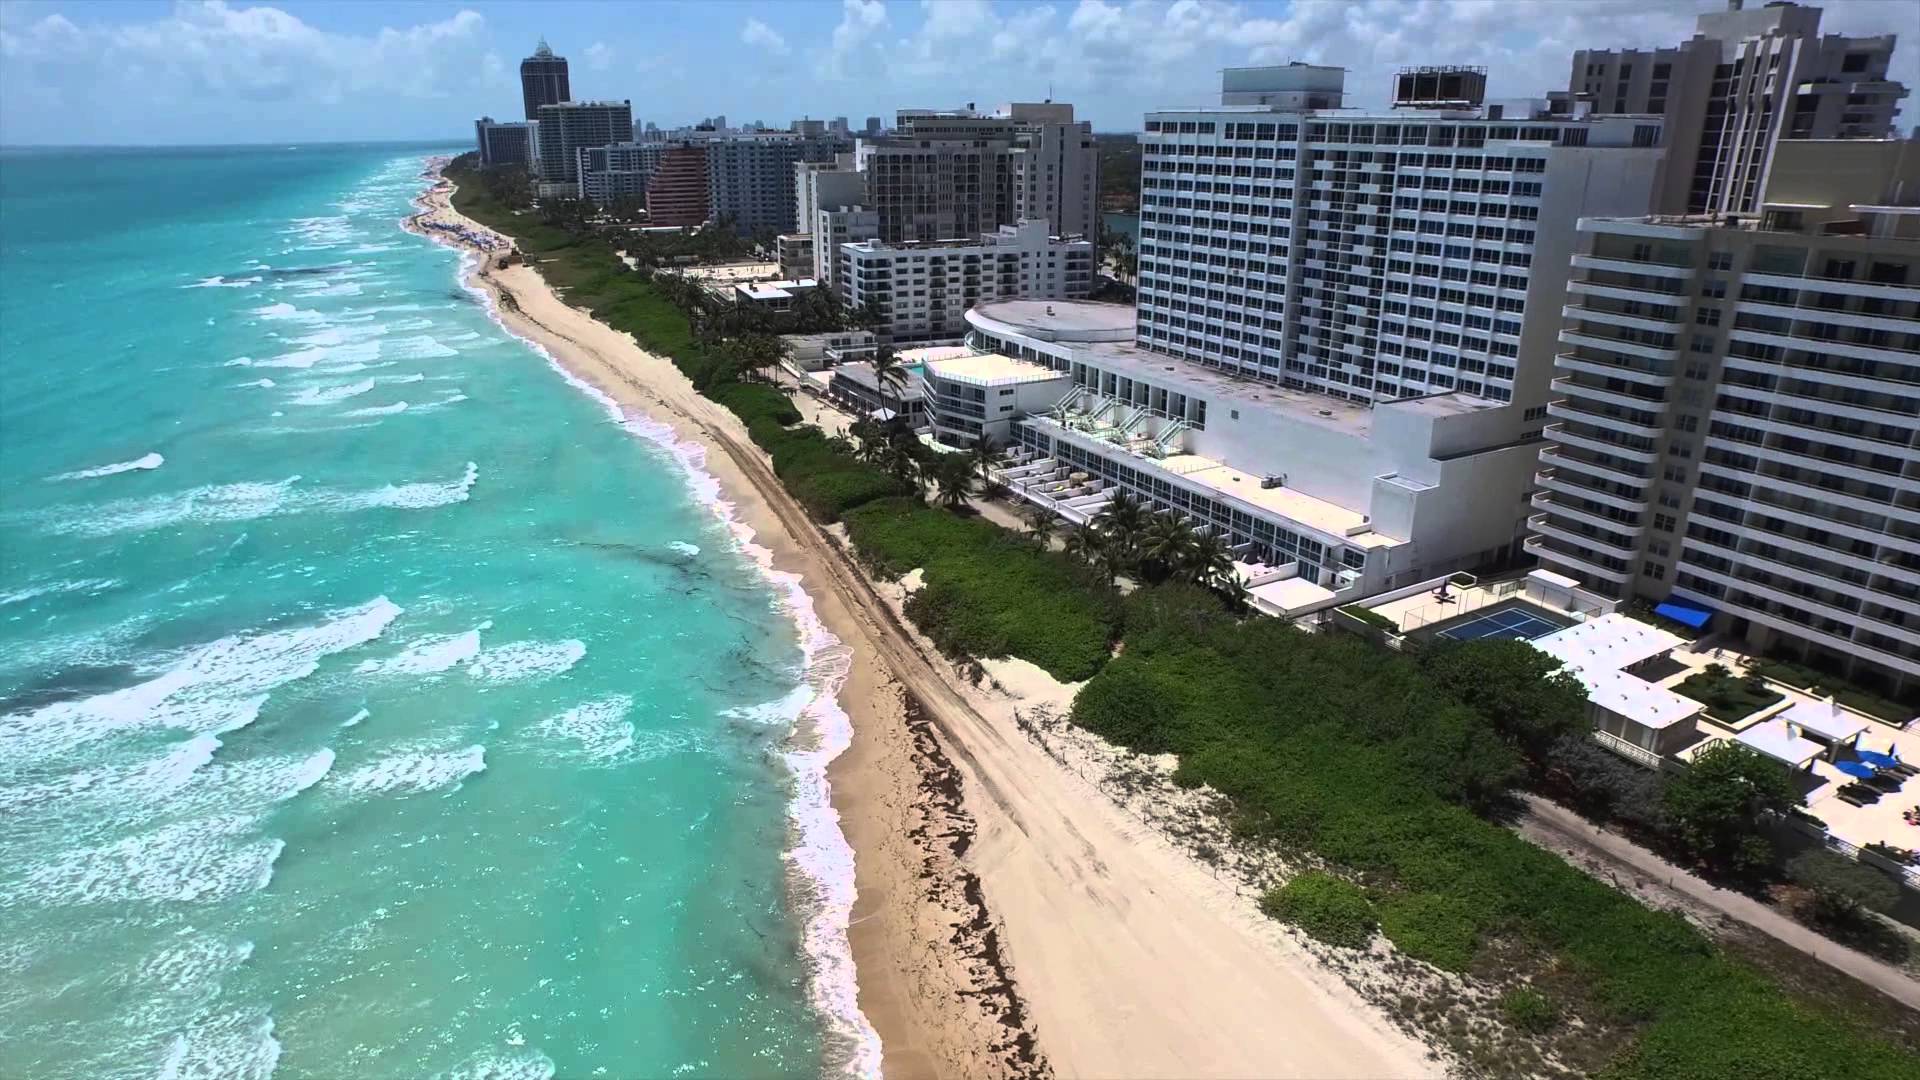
1328	908
1852	695
1371	618
1728	699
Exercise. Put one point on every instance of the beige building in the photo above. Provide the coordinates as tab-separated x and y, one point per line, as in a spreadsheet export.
1737	410
1748	78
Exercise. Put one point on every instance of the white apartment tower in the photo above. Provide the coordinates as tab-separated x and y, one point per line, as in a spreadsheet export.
1739	404
1748	78
925	288
1372	255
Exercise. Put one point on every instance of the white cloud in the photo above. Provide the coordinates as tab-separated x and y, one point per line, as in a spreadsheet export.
860	23
760	35
599	56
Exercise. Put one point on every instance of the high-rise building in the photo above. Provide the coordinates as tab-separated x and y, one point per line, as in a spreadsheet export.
923	289
1373	255
568	127
505	143
873	126
834	226
677	193
953	173
543	80
1743	82
751	176
1736	416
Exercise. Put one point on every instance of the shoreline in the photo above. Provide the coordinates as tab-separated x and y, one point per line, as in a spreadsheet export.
924	1027
1010	918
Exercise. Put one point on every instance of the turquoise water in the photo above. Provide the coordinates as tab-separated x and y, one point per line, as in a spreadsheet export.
373	701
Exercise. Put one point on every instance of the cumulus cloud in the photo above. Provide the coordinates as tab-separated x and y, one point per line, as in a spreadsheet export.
762	36
225	58
861	22
598	56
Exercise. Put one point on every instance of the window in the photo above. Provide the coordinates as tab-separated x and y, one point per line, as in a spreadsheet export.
1720	260
1675	473
1664	522
1707	316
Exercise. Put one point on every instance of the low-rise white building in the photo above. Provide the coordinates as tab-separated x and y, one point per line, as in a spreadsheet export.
1608	654
1349	499
772	295
924	288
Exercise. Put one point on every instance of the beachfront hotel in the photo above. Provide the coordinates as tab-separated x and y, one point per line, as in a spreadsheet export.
1374	255
567	127
1321	499
750	176
619	170
1735	416
1747	79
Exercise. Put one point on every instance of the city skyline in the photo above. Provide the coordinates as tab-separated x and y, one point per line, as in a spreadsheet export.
93	73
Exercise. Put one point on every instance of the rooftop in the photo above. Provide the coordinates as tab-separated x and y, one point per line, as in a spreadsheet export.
1319	514
1611	642
991	369
1061	320
1774	739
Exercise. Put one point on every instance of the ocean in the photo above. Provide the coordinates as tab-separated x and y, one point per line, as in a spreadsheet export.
375	700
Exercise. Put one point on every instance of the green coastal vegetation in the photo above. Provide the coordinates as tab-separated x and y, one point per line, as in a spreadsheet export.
1384	773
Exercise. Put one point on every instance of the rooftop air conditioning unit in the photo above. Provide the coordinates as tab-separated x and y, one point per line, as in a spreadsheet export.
1273	480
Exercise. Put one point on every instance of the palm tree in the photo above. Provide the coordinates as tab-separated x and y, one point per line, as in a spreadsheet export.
889	375
986	454
1166	546
870	440
953	480
1209	562
1041	522
903	465
1087	543
1123	523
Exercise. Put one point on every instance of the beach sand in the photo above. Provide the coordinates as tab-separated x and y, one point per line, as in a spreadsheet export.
1011	919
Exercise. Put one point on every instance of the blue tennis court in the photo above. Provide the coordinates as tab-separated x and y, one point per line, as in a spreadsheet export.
1508	622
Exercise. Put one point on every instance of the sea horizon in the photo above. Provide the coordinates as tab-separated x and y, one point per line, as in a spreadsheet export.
360	707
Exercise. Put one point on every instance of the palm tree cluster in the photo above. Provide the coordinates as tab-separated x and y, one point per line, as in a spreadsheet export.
1132	540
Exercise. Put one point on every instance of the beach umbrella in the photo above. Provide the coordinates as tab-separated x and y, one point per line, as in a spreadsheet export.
1877	759
1854	768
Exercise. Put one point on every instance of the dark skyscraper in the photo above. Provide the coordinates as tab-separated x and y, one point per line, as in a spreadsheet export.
543	80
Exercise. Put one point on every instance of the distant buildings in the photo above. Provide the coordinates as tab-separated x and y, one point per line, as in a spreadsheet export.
543	80
1736	412
566	128
618	170
677	193
751	176
924	288
872	127
1744	81
953	173
504	143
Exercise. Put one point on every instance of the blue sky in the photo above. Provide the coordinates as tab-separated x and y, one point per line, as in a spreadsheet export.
142	71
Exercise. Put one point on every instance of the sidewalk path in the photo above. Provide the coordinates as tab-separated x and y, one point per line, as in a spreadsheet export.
1567	834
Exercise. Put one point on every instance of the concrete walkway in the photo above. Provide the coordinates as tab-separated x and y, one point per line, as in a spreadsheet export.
1662	884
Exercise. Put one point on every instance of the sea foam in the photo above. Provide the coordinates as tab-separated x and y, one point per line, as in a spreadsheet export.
327	395
518	660
142	463
415	771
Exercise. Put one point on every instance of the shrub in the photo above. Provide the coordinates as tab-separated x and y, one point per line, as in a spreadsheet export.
1715	808
753	401
1432	927
1327	908
1528	1009
1372	618
1842	888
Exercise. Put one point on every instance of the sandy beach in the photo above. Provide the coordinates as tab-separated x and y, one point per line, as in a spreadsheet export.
1011	919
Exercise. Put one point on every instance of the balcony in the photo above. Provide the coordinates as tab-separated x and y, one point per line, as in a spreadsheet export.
1862	503
1802	283
1811	313
1819	345
1577	387
1574	410
1628	266
1571	478
1560	507
1666	292
1553	525
1612	369
1543	549
1621	318
1618	345
1559	433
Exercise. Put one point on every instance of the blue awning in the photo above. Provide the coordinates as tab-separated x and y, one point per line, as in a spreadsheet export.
1682	611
